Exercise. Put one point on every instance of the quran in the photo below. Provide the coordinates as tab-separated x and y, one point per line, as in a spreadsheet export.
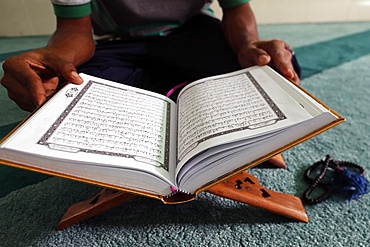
121	137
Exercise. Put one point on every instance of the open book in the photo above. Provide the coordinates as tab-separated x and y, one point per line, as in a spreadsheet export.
127	138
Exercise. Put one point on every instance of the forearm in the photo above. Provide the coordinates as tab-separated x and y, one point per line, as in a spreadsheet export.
73	40
239	26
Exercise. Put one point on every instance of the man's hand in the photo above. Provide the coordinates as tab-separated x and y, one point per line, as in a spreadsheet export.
240	29
275	53
31	77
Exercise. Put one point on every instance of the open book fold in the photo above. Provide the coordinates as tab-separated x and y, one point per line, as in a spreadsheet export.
130	139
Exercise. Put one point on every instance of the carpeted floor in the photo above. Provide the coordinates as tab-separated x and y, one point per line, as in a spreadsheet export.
335	59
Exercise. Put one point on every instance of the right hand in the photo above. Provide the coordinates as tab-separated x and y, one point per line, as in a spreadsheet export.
275	53
32	77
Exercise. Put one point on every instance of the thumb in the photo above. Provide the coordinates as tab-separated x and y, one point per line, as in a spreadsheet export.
263	59
253	56
69	72
74	77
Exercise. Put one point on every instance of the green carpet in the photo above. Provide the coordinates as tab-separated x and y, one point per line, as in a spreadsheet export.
335	59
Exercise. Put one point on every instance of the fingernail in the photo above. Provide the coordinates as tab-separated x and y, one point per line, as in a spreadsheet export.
263	59
291	74
74	74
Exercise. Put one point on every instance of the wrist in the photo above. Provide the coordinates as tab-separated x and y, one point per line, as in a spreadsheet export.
239	26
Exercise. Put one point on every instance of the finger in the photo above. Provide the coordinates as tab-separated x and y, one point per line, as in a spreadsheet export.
263	59
23	103
288	72
281	59
252	55
281	54
286	69
22	97
296	78
66	69
35	88
23	77
19	94
50	86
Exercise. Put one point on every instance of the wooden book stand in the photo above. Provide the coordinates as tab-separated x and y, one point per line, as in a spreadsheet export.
243	188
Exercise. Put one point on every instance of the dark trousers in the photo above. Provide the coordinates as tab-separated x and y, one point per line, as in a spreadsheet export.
193	51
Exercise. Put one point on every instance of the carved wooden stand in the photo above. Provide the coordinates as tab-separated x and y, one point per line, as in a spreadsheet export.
243	187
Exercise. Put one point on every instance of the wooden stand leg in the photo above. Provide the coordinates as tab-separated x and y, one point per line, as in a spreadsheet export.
277	161
103	201
243	187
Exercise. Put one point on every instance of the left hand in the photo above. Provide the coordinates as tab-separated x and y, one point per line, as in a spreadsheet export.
275	53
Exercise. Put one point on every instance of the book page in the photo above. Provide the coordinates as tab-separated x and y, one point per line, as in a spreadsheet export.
103	124
104	120
229	121
234	106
